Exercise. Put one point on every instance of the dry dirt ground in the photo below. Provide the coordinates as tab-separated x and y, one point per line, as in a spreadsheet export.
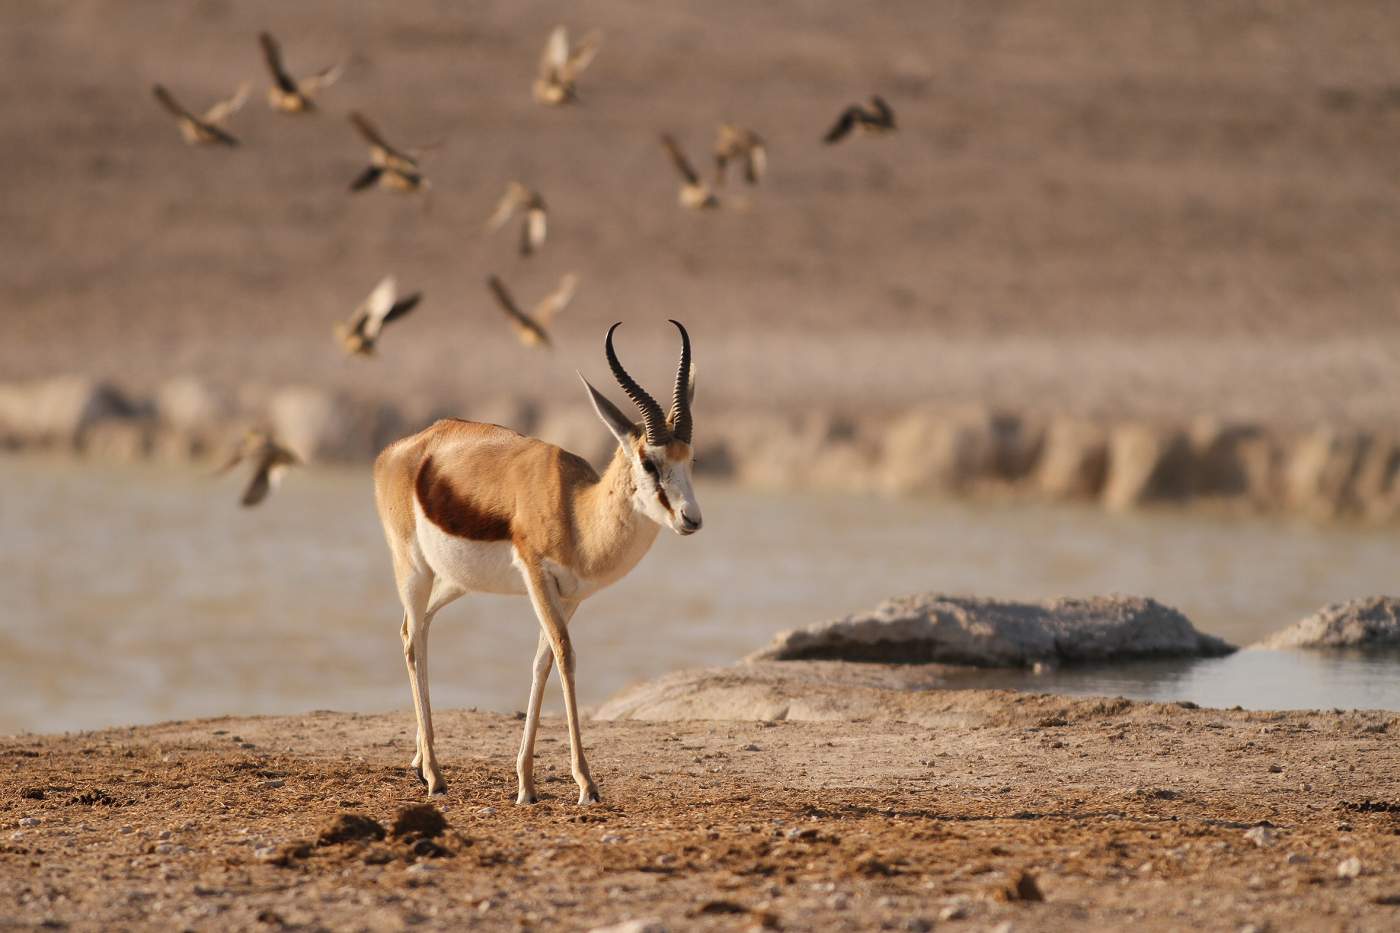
1146	207
1159	817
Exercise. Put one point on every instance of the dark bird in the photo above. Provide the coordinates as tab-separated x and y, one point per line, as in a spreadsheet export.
561	65
694	193
735	142
286	93
519	198
530	328
269	459
206	129
879	119
360	334
388	167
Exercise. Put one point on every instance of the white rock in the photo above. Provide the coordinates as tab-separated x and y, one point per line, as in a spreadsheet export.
1370	622
1349	868
986	632
1262	836
648	925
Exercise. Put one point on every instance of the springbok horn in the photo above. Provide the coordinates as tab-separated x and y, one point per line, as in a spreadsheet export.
679	419
653	421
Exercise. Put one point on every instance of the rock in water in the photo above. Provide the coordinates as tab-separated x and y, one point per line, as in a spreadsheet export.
1373	622
995	633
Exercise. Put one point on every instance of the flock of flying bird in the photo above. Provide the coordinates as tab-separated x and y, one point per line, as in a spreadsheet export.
397	169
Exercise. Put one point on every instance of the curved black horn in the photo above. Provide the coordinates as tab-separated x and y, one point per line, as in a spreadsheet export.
679	419
653	421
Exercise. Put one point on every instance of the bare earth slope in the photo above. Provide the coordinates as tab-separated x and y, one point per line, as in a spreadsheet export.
1159	817
1147	207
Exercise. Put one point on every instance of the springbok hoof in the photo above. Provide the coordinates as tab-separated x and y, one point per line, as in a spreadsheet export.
418	773
525	800
589	796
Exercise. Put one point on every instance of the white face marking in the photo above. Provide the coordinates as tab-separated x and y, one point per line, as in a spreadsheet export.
664	490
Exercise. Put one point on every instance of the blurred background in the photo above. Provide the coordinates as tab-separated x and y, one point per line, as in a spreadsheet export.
1138	254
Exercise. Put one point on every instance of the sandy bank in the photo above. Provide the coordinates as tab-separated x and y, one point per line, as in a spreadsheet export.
1161	816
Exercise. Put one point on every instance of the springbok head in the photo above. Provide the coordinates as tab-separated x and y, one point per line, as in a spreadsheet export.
658	448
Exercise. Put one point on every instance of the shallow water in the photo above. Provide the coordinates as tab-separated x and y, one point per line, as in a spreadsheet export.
136	594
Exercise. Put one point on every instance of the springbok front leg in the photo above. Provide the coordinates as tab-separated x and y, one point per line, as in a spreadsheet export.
555	626
525	761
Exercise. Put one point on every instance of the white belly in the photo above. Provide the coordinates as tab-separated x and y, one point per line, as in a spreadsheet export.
475	566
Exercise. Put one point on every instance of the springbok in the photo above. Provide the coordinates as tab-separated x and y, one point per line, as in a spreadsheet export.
478	508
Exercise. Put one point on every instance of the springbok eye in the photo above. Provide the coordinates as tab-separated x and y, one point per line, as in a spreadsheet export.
650	468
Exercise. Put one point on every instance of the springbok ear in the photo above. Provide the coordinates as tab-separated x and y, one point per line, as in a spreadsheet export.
619	424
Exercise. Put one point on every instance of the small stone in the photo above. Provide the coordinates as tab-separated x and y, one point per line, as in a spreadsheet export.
1349	868
487	811
952	912
421	868
30	821
1275	769
749	748
610	838
838	901
1261	836
1298	858
126	830
649	925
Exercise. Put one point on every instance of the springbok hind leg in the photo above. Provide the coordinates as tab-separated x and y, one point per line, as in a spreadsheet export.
442	594
415	593
525	761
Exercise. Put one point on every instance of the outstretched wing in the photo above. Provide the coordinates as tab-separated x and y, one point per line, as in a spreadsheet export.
678	159
168	101
514	198
844	124
227	108
321	80
377	306
533	231
755	163
366	178
555	57
557	300
383	152
402	307
883	114
583	54
272	54
519	318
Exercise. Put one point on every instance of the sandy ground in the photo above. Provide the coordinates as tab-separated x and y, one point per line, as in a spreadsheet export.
1141	207
1123	813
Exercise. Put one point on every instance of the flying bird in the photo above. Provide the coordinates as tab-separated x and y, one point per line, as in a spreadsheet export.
286	93
361	332
269	459
519	198
561	65
694	193
530	328
878	119
388	167
735	142
208	128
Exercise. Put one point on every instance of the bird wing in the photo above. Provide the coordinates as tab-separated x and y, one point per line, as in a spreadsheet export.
883	113
755	163
271	468
844	123
582	55
557	300
322	79
532	232
402	307
555	57
385	153
272	53
366	178
521	320
514	197
227	108
168	101
678	159
377	306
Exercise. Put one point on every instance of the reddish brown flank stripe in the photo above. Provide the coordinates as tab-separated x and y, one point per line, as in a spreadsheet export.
454	512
